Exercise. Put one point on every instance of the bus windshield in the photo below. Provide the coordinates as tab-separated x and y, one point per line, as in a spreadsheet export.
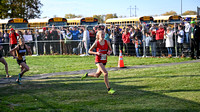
17	25
89	23
57	23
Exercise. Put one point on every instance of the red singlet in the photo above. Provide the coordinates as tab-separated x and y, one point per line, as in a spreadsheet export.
103	49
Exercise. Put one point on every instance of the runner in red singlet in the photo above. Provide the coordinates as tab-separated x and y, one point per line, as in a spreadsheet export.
103	49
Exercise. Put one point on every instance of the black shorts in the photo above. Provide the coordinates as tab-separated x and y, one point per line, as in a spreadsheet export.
100	62
1	55
20	61
13	46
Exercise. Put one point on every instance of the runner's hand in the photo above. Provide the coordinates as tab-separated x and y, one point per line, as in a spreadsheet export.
109	52
98	53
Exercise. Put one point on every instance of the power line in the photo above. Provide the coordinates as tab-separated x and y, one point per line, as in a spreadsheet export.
135	10
130	10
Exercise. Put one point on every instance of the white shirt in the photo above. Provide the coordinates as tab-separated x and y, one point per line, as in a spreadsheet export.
180	39
86	35
187	27
169	39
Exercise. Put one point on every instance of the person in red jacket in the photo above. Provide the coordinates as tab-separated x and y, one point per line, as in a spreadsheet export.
126	41
160	40
13	38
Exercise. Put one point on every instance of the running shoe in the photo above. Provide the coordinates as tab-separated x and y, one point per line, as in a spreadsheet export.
111	91
84	76
8	76
18	82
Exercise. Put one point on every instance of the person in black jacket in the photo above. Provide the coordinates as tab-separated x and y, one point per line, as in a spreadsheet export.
194	35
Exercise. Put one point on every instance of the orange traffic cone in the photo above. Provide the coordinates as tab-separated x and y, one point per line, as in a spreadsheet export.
121	62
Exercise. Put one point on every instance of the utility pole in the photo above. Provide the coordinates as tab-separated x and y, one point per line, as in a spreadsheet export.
135	11
130	10
181	7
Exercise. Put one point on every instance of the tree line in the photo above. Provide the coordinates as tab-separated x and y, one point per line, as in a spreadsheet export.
20	9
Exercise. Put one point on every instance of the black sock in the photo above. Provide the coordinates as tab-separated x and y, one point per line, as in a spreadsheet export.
108	89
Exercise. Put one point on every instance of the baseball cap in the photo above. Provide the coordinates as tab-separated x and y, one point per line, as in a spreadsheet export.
11	29
192	22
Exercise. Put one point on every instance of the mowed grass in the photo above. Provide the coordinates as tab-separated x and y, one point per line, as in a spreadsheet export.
63	63
161	89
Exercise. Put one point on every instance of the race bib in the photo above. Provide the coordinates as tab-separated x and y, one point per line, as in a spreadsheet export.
192	36
103	56
24	58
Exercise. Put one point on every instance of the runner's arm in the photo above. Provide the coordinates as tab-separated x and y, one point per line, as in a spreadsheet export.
13	50
92	48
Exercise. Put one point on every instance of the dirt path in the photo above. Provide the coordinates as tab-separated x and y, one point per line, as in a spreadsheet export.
5	81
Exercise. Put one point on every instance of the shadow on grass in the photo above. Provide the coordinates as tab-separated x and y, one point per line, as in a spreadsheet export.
71	94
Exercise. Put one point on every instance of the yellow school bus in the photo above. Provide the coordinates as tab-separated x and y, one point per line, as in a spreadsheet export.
90	21
40	23
191	18
16	23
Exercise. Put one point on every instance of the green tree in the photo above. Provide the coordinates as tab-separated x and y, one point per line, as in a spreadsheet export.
4	8
189	12
108	16
20	8
100	18
169	13
69	16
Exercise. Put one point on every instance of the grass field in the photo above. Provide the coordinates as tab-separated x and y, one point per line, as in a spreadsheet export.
161	89
62	63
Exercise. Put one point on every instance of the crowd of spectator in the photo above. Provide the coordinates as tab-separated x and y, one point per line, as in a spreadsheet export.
142	40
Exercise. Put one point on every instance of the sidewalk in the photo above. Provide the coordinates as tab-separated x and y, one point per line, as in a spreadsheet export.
43	76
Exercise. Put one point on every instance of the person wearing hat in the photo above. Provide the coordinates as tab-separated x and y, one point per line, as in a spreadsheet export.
194	35
13	38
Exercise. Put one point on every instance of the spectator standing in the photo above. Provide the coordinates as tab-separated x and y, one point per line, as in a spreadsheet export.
86	39
92	35
62	34
147	44
126	41
68	38
194	35
159	40
115	42
187	29
1	41
169	41
13	38
75	33
40	43
132	32
107	36
137	43
138	34
55	38
180	41
153	40
6	40
47	38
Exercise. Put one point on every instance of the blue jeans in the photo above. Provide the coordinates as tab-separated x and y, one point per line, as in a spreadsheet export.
153	48
187	40
137	52
169	50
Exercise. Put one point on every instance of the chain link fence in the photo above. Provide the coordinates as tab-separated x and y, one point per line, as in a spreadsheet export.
56	40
